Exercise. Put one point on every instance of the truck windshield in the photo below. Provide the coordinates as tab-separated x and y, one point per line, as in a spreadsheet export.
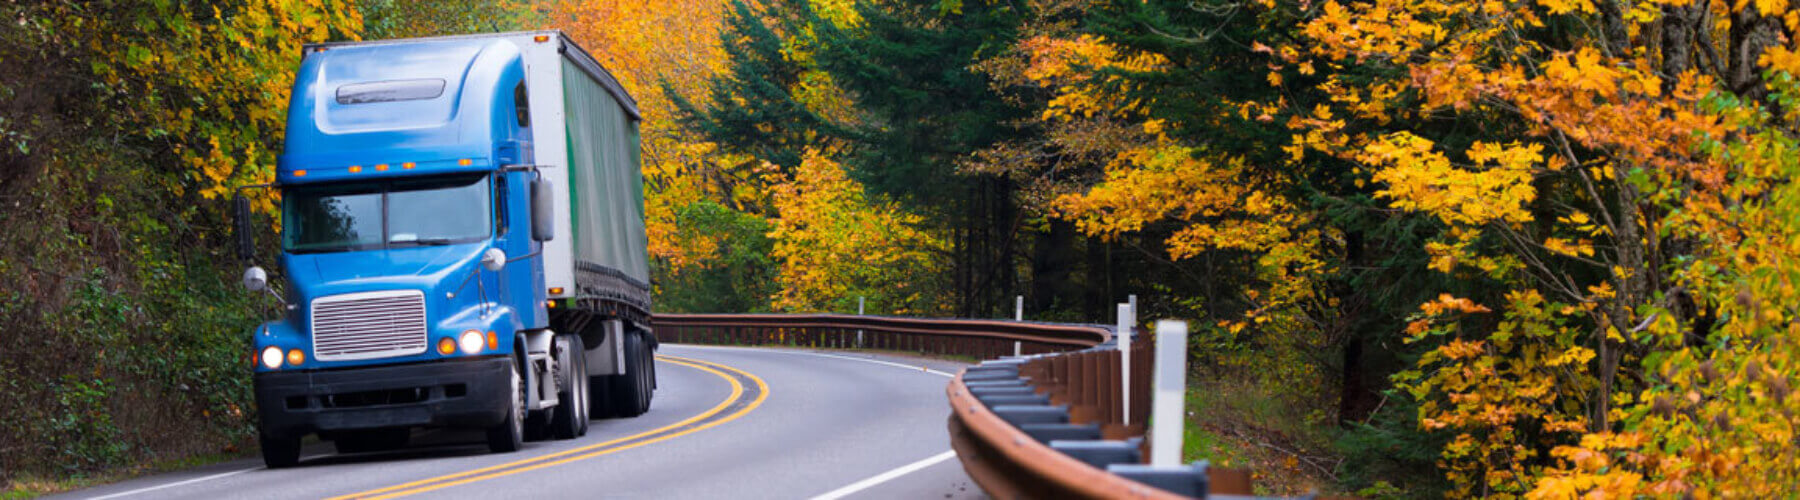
388	214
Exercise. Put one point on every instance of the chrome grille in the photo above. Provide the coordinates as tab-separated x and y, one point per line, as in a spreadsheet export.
368	325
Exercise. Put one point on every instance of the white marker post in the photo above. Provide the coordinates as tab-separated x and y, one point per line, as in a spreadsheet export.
1126	318
859	312
1018	315
1171	391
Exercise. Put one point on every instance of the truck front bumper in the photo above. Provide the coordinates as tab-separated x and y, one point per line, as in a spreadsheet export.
469	392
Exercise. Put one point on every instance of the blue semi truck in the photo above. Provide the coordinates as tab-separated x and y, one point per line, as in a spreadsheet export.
462	241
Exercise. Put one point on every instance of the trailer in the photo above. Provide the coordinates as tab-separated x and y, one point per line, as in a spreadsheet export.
463	245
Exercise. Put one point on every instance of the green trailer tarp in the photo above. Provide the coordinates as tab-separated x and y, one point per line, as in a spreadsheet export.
605	180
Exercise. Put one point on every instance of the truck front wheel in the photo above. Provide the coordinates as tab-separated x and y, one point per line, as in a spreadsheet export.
569	418
279	452
509	435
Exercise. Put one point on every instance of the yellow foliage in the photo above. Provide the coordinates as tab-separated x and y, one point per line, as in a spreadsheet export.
1069	67
1419	178
230	76
646	44
834	243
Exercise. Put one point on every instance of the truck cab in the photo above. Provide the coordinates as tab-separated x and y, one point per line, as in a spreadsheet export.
416	218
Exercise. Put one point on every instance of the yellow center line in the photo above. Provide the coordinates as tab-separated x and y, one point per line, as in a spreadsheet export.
593	450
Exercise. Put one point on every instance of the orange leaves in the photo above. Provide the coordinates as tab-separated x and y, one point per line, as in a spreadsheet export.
1492	391
1446	303
1577	248
1459	349
1595	471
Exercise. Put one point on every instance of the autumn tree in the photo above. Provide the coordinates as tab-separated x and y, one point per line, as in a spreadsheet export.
1573	136
707	208
837	244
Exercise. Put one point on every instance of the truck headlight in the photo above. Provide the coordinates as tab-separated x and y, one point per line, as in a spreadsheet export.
271	357
471	342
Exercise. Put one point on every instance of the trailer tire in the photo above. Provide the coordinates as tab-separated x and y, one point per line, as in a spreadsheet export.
280	451
587	388
509	435
567	418
631	392
600	396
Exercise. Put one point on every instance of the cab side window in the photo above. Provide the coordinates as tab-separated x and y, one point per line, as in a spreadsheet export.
521	103
500	205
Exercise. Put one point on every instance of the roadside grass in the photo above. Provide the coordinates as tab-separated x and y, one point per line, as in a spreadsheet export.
32	485
1244	424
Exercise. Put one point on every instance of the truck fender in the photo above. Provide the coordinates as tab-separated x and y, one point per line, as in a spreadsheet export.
538	366
608	357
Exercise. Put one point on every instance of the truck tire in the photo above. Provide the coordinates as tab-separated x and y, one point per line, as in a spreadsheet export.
600	403
586	397
363	441
567	418
509	435
631	392
279	452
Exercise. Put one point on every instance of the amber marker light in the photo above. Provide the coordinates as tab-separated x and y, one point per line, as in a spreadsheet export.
355	168
408	165
381	167
465	162
446	346
541	38
556	290
550	303
295	357
299	173
493	342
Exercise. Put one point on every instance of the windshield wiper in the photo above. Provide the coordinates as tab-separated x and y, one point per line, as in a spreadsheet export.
424	242
330	248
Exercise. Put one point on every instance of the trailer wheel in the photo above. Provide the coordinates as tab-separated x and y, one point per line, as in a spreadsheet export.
631	392
567	417
509	435
600	396
279	452
586	398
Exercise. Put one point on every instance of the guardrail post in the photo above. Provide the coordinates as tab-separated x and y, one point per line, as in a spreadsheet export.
1018	315
1171	392
859	312
1127	319
1090	381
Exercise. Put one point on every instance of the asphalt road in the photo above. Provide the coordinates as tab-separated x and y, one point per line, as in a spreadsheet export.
726	423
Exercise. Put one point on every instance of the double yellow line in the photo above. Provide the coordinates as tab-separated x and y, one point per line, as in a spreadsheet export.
712	417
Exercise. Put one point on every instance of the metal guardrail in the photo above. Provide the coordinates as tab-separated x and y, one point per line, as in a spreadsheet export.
981	338
1046	424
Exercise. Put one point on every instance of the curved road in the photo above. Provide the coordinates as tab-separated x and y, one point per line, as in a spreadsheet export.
726	423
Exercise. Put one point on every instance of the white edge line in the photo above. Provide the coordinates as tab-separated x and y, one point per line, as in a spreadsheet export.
174	484
823	355
885	476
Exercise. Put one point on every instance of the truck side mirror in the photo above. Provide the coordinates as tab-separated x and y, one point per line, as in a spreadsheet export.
543	210
246	241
